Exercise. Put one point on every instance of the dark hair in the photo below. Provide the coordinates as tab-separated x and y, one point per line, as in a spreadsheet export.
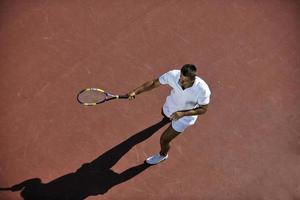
189	70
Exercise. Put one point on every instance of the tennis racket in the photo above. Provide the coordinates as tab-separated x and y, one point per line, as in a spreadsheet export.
94	96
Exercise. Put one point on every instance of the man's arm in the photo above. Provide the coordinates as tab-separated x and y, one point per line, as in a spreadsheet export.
149	85
196	111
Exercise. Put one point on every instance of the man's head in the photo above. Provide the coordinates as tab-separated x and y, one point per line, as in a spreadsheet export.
188	74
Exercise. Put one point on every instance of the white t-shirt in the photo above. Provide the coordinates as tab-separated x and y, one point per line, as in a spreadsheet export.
189	98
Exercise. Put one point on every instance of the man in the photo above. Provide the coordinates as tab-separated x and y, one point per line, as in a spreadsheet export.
189	98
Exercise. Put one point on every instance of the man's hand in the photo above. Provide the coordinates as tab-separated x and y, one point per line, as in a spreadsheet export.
131	95
177	115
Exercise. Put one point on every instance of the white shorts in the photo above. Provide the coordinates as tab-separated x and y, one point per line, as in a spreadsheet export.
181	124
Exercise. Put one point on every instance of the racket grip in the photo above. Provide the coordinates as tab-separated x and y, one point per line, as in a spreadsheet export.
125	96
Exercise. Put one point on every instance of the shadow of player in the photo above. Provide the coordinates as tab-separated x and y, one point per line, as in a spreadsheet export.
90	179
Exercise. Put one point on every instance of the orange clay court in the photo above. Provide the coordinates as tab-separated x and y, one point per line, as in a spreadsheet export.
246	147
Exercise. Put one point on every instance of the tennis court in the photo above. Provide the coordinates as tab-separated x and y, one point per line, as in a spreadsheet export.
246	147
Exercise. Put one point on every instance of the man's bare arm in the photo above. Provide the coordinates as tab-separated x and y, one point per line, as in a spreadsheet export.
149	85
196	111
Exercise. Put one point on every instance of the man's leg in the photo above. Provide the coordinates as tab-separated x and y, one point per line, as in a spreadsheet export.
168	135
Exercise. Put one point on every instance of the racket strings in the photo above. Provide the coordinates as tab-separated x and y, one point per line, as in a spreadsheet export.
91	96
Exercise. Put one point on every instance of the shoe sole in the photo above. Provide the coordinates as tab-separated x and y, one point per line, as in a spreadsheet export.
156	163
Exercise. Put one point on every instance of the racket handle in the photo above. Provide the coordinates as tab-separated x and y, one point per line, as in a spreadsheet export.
126	96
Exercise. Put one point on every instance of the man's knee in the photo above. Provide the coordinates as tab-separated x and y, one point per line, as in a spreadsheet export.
164	141
168	135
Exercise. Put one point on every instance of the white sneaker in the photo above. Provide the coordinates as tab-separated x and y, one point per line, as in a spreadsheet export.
155	159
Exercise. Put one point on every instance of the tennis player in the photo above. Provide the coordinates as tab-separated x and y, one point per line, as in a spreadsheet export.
189	97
